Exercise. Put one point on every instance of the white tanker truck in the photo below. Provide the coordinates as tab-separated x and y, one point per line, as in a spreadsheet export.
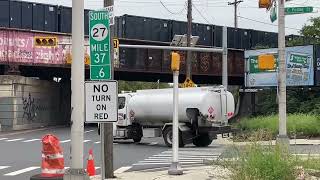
203	113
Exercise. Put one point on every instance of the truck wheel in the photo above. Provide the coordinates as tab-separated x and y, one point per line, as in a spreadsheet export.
136	139
136	132
202	140
167	137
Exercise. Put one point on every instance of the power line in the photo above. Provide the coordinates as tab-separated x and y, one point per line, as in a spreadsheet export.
254	20
201	14
174	13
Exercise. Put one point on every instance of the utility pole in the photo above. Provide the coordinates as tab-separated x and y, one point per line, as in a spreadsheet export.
235	4
189	34
108	127
76	172
282	137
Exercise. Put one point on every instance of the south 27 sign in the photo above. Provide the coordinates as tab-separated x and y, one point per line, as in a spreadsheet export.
101	101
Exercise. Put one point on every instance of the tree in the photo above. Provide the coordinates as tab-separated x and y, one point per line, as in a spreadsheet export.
312	31
310	34
137	85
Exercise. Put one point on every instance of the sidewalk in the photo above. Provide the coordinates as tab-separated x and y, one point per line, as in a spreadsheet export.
196	173
228	141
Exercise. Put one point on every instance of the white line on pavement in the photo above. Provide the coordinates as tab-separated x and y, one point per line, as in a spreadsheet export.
153	143
163	163
4	167
86	141
65	141
3	139
88	131
122	169
31	140
22	171
185	156
13	140
169	160
180	158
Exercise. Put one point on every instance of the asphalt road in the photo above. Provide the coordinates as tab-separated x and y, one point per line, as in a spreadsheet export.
20	155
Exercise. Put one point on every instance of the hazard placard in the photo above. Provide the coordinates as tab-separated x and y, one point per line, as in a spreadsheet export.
188	83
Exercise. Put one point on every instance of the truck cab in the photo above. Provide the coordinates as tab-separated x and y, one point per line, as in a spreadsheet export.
123	100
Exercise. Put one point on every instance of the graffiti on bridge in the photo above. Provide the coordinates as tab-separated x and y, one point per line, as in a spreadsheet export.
31	107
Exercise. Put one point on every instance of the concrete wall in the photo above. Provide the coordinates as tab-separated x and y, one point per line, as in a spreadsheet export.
28	103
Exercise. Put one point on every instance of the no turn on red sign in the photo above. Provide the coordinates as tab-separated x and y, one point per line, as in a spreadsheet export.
101	101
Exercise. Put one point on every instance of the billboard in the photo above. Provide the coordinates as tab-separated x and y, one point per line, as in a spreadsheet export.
299	63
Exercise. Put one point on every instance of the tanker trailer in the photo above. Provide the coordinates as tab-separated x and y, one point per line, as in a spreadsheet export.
203	113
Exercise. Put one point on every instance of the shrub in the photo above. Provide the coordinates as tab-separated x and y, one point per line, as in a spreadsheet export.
297	124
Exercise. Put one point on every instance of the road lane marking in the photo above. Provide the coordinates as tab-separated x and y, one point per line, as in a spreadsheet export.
3	139
163	163
4	167
122	169
98	142
153	143
65	141
13	140
86	141
88	131
31	140
22	171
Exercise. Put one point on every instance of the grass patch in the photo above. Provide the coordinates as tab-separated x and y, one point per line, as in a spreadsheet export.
299	125
258	162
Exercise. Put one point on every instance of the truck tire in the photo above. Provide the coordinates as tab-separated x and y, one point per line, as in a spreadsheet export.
167	137
136	139
202	140
136	132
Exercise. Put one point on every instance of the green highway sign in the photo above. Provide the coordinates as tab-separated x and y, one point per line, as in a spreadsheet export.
100	65
298	10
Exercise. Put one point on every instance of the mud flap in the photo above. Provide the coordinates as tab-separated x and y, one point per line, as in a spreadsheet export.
187	135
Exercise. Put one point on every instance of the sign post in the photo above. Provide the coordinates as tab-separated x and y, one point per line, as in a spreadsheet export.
100	64
101	68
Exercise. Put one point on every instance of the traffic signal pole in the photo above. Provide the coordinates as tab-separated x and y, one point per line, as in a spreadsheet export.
76	172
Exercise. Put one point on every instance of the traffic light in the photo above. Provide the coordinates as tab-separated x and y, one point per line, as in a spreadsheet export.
175	61
45	41
265	4
86	58
266	62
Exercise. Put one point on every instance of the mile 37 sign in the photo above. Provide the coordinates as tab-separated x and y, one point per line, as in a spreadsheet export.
99	34
101	101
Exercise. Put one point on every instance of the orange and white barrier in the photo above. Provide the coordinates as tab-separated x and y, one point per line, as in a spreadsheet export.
52	157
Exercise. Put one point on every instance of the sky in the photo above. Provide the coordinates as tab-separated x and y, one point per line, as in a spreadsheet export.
216	12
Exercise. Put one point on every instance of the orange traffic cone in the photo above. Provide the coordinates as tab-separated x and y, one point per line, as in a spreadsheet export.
90	164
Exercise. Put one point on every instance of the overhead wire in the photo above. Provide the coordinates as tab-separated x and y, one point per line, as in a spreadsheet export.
174	13
254	20
201	14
